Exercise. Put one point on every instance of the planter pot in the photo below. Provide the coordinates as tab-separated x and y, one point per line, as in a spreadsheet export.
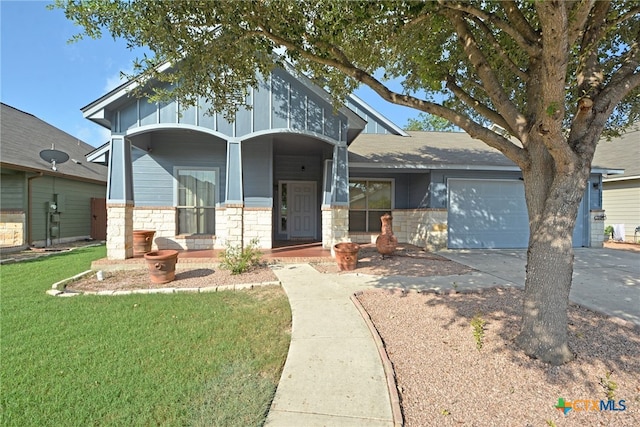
162	265
346	255
142	240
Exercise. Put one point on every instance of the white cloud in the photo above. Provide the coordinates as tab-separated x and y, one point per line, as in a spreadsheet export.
93	135
115	80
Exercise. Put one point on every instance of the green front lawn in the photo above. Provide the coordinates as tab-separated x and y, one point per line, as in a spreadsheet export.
138	360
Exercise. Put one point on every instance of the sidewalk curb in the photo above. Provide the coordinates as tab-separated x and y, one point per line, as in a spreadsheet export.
394	397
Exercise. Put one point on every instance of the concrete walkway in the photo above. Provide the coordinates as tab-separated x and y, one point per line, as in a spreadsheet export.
604	280
333	375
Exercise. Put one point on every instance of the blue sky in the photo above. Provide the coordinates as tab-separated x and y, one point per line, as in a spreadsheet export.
44	75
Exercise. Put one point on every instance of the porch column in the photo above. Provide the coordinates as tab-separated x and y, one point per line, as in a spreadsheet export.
120	200
234	199
335	210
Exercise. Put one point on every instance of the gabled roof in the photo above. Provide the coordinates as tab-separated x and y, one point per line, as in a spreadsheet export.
431	150
24	136
622	153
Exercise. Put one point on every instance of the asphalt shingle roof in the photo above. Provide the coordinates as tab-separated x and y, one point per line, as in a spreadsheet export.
425	149
621	153
23	136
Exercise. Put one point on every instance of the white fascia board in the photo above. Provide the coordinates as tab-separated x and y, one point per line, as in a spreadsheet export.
379	116
621	178
100	155
95	110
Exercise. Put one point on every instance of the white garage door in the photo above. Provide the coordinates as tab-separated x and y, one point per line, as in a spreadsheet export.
487	214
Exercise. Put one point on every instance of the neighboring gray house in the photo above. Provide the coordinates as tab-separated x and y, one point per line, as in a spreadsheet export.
30	188
621	195
291	168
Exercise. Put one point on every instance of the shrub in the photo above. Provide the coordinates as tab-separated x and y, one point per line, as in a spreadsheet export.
240	260
608	231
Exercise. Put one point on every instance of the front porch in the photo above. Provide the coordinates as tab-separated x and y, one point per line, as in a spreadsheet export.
284	252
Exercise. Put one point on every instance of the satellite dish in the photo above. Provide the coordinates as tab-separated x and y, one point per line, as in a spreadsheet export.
55	157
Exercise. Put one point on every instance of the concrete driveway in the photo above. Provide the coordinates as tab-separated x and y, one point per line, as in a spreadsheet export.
605	280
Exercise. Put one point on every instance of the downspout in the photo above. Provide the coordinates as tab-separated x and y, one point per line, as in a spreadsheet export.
29	205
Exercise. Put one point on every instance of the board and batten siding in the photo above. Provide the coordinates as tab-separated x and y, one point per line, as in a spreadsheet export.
257	173
281	102
621	204
75	213
154	183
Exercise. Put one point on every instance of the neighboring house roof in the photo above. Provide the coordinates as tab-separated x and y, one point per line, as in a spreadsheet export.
431	150
24	136
622	153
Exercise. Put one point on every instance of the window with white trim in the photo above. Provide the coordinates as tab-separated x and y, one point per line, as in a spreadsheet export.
196	199
369	199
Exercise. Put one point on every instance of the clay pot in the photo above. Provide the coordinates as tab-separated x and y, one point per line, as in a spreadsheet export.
162	265
346	255
142	241
386	242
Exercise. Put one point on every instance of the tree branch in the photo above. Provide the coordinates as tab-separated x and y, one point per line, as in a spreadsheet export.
620	19
530	46
589	75
501	52
579	16
518	20
553	71
475	130
476	105
491	84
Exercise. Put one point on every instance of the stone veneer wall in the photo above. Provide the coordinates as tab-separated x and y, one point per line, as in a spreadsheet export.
258	225
163	220
119	230
335	225
12	226
596	228
234	224
425	228
221	228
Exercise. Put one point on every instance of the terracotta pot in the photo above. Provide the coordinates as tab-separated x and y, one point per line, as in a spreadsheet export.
142	241
346	255
162	265
386	242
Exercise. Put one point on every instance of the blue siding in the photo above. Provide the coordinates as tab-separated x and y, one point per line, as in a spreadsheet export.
279	101
282	102
148	112
257	169
374	125
154	184
261	107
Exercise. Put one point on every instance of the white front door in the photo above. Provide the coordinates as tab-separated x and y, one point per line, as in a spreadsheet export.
302	210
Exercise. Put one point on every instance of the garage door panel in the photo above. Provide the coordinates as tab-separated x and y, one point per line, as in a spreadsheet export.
487	214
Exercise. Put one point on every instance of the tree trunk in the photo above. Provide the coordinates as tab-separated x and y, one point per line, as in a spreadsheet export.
553	199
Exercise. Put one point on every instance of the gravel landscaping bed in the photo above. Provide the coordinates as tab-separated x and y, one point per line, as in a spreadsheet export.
444	380
185	278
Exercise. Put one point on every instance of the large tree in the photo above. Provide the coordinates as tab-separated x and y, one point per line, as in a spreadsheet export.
554	74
